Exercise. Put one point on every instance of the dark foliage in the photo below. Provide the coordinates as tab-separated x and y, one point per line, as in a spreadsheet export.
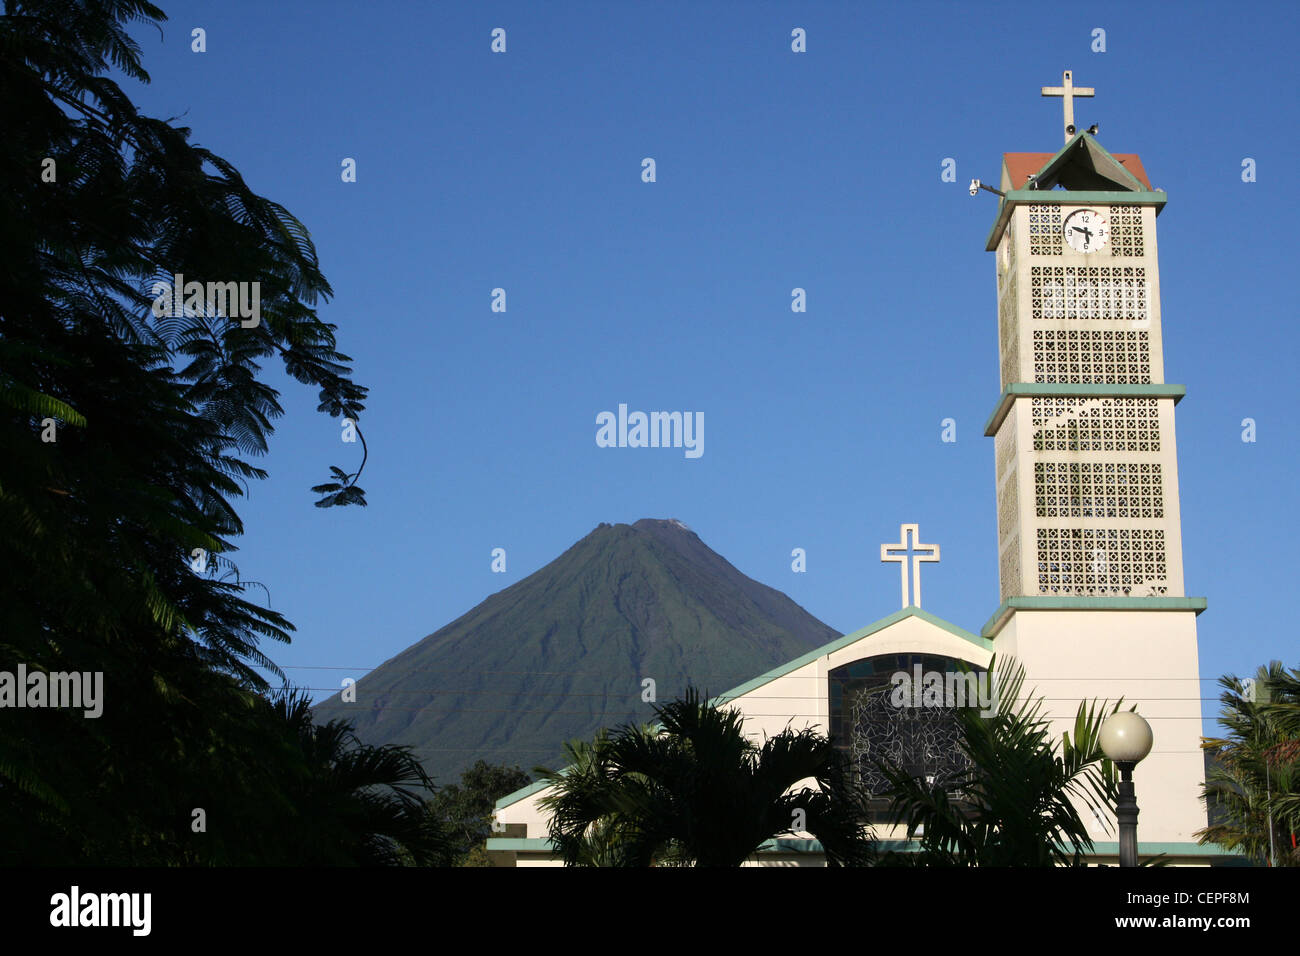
124	434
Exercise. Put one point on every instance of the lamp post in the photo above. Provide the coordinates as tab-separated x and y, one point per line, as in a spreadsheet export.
1126	739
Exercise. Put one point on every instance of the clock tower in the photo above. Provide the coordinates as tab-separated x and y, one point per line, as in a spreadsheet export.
1089	533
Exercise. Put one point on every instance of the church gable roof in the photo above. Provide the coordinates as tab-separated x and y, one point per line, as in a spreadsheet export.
839	643
1082	164
842	642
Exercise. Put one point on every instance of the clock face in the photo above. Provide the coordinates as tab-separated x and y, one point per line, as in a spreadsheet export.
1086	230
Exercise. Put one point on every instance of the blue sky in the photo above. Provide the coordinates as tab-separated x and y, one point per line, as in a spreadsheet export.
775	170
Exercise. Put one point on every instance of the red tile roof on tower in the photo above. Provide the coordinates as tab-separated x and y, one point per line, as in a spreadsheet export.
1020	166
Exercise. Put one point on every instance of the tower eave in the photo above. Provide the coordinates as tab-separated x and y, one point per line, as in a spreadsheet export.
1071	390
1083	197
1052	603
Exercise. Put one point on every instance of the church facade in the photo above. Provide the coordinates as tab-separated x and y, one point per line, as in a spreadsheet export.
1092	599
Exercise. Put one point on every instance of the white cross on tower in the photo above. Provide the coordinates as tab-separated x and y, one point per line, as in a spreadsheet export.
1068	91
907	546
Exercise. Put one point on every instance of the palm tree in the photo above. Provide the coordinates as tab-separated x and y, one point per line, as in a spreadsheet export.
1015	805
695	790
358	804
584	828
1283	711
1252	785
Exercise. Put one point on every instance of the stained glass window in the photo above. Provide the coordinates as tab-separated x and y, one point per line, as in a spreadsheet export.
867	725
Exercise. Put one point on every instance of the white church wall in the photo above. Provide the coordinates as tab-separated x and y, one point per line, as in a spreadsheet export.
1150	659
526	812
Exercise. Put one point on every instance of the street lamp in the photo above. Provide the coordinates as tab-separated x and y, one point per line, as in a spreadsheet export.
1126	739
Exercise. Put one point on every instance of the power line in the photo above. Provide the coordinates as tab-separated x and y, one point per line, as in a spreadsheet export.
375	709
636	693
642	675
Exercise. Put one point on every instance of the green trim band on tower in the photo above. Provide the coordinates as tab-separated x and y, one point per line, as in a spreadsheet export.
1082	197
1044	603
1089	197
1070	390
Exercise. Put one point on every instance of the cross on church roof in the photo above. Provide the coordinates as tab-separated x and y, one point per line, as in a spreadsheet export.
1068	91
907	546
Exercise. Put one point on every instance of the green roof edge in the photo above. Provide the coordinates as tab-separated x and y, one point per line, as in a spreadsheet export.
845	641
534	787
1075	390
1046	603
1080	138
